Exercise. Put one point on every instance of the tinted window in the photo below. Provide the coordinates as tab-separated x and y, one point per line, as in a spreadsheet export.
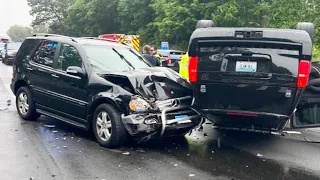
267	59
45	53
68	56
13	46
107	59
176	53
27	48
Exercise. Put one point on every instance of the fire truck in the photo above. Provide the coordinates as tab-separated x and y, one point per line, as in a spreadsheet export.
133	40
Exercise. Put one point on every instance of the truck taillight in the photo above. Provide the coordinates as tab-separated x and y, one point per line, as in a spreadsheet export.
193	69
303	73
168	60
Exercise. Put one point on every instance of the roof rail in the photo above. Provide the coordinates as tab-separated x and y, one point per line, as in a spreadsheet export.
55	35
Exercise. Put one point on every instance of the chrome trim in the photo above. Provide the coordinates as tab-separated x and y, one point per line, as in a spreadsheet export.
168	103
164	121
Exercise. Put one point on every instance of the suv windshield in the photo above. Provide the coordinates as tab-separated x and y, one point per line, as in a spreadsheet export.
107	58
14	46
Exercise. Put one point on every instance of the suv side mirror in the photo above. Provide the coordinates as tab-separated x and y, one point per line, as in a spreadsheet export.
76	71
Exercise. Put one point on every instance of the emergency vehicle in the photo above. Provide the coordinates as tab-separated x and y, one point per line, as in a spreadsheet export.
133	40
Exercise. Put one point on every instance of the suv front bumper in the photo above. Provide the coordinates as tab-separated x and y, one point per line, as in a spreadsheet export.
169	122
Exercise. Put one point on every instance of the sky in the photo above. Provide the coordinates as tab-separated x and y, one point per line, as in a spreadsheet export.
14	12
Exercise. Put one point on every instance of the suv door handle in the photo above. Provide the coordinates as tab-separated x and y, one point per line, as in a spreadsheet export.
54	75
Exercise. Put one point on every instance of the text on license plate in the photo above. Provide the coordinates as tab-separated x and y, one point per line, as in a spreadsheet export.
181	116
246	66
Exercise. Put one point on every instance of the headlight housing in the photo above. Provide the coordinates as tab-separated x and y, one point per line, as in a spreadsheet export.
138	105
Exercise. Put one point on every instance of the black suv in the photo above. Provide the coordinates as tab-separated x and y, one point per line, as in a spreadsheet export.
103	86
249	78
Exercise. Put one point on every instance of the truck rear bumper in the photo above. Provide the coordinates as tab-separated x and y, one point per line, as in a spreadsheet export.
241	120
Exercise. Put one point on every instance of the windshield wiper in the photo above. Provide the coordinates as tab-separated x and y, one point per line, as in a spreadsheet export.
123	58
140	58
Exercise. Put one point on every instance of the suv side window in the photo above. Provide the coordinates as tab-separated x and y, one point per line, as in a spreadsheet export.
45	53
28	46
68	56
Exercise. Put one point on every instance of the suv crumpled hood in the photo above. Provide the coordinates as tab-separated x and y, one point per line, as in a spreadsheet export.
155	83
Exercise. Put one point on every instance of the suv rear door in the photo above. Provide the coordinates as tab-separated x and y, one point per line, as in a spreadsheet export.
40	72
253	77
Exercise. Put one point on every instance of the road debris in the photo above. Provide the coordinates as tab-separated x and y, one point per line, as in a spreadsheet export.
54	131
64	138
175	165
32	178
126	153
9	102
141	150
191	175
65	146
259	155
49	126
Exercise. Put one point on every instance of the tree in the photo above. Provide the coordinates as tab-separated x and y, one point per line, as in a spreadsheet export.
50	12
19	33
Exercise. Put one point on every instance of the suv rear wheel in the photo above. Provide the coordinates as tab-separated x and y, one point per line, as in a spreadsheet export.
108	127
25	104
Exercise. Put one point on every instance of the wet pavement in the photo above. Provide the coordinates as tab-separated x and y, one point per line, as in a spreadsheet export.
50	149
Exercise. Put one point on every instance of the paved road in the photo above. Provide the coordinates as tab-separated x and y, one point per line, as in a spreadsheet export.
32	150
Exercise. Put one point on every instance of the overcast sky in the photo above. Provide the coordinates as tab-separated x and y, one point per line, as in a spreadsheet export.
14	12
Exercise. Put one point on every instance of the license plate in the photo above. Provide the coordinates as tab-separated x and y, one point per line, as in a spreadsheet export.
181	116
246	66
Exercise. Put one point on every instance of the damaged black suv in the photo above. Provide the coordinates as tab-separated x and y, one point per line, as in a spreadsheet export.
101	86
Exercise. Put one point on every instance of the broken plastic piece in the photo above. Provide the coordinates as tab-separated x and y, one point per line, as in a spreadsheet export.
259	155
49	126
54	131
126	153
191	175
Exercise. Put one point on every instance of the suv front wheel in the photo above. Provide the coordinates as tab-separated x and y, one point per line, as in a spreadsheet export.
25	104
107	126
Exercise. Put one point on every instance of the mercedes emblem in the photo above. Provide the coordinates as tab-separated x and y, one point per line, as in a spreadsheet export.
175	103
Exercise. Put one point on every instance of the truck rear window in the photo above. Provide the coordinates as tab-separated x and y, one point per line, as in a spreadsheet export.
248	59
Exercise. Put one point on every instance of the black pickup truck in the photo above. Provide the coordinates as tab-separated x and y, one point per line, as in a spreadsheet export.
251	78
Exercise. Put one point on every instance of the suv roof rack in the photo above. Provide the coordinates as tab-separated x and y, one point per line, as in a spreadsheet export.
104	39
55	35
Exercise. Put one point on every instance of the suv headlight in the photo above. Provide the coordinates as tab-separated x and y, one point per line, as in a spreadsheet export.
138	105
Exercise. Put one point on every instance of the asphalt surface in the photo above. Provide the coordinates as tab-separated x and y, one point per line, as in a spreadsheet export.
32	150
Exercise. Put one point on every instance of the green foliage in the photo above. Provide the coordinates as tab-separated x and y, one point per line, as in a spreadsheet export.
19	33
168	20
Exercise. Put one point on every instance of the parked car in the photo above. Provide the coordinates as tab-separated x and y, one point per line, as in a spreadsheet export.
101	86
9	52
249	78
170	58
1	48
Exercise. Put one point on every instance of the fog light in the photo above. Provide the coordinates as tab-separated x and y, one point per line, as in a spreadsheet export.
151	121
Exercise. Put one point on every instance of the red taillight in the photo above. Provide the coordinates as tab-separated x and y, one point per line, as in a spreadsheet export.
303	73
168	60
193	69
242	114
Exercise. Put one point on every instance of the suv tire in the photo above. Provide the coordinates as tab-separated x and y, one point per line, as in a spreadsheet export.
25	105
204	24
107	127
308	27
